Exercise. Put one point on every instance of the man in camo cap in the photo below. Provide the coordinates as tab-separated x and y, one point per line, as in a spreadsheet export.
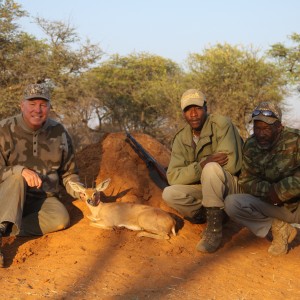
36	155
271	178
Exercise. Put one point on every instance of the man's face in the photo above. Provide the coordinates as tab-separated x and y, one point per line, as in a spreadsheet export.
195	116
266	134
35	112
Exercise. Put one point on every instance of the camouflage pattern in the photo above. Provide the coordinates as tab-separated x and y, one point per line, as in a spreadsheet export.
278	166
268	106
217	135
48	151
37	91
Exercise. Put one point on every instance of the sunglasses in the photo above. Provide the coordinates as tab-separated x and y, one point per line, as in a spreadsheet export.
266	113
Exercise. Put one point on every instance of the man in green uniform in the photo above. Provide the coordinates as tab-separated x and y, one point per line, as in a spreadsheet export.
36	155
271	178
206	157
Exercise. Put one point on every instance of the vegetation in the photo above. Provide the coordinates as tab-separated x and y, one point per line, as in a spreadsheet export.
235	81
138	92
289	58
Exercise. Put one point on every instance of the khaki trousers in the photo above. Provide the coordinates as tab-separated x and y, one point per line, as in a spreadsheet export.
216	184
30	210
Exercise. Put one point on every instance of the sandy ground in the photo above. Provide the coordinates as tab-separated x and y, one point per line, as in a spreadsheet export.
84	262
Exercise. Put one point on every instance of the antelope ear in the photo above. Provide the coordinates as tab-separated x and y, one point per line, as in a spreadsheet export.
103	185
76	187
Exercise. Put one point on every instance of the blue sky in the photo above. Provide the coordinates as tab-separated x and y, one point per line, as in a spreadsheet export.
171	28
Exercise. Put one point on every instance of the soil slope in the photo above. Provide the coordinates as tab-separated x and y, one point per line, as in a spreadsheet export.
84	262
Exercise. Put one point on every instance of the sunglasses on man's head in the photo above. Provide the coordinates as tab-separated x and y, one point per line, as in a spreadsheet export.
266	113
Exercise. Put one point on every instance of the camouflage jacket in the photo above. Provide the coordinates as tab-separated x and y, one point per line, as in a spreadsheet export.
217	135
278	166
48	151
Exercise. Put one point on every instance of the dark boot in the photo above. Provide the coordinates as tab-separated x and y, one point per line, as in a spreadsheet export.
199	217
3	227
212	235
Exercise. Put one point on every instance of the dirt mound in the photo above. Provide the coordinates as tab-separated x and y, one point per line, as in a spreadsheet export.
84	262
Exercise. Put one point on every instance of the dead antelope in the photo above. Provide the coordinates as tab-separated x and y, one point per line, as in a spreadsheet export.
153	222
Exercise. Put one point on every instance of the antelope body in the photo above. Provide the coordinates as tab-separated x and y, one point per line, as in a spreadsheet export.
150	221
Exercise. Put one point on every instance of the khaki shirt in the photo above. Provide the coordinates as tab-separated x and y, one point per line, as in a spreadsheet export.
217	135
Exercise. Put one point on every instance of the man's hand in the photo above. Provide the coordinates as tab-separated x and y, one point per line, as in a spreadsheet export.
272	197
32	178
221	158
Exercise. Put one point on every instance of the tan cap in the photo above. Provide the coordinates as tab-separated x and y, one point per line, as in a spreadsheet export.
267	112
192	97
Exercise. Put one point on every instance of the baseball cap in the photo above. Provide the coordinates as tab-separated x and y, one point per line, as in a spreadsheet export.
37	91
192	97
267	112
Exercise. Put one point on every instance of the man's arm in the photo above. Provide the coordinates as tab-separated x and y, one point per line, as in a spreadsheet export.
251	177
182	169
68	170
229	142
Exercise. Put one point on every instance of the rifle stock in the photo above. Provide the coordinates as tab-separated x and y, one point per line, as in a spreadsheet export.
146	157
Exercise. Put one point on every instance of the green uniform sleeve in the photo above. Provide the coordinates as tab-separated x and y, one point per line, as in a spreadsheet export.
278	167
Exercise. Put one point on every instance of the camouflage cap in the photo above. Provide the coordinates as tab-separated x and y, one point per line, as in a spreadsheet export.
267	112
37	91
192	97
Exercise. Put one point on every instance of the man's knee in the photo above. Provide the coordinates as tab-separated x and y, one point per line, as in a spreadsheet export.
168	194
173	195
211	170
53	216
63	220
231	205
13	181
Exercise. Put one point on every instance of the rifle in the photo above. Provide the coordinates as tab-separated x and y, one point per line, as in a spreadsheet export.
146	157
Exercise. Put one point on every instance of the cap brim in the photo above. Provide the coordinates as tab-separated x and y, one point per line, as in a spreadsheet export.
189	102
35	97
268	120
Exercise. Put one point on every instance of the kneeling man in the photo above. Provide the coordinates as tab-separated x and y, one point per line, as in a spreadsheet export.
270	177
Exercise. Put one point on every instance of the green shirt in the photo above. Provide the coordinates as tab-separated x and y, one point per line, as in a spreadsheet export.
48	151
217	135
278	166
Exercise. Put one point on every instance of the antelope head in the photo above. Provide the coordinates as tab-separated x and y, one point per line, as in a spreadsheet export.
90	195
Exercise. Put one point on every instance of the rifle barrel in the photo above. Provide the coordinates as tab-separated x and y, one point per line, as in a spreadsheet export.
144	155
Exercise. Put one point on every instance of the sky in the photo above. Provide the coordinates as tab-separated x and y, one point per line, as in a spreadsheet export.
172	28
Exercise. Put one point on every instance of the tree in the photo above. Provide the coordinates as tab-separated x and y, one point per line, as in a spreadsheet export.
288	58
18	53
138	91
59	59
235	81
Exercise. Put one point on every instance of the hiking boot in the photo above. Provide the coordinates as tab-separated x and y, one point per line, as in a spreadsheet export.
283	234
212	235
199	217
